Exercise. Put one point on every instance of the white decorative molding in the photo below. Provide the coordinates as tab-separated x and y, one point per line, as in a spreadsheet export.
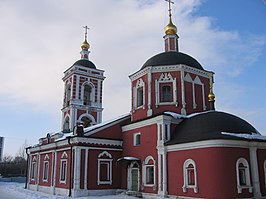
248	186
140	84
186	175
144	170
107	161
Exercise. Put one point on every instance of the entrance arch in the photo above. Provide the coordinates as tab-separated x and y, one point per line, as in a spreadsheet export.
133	176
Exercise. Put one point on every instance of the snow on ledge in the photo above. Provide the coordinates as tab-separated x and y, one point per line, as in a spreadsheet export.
181	116
252	136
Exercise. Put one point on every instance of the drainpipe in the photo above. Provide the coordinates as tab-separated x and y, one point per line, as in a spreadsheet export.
27	167
70	172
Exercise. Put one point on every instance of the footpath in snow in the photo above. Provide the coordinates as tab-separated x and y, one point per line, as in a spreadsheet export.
12	190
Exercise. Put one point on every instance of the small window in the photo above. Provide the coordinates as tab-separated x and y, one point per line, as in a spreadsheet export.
190	176
149	168
45	171
104	168
33	170
243	175
63	171
140	97
136	139
166	93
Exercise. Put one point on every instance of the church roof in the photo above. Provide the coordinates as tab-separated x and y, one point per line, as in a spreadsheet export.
86	63
213	125
172	58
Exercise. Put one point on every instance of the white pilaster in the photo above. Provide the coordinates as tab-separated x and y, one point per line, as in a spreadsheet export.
254	172
77	87
183	109
54	169
149	112
38	171
77	168
164	173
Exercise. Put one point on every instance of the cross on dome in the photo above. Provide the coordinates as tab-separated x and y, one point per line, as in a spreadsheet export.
85	45
169	7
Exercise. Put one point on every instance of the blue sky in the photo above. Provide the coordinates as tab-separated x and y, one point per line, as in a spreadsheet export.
39	40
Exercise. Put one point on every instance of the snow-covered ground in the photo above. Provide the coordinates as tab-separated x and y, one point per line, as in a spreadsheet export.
11	190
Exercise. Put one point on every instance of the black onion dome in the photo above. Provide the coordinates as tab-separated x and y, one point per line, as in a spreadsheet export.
211	125
172	58
85	63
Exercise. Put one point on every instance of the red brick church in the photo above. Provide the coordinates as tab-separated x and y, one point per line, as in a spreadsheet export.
173	143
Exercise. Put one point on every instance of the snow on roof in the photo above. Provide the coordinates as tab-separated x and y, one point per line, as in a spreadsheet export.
128	158
181	116
252	136
88	129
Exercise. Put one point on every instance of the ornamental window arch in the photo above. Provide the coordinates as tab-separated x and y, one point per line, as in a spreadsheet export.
139	94
166	90
190	176
63	167
243	175
149	171
105	164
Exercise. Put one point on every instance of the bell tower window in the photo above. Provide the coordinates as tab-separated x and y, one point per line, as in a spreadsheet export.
66	126
68	95
87	97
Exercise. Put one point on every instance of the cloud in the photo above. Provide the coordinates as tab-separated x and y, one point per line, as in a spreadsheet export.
42	39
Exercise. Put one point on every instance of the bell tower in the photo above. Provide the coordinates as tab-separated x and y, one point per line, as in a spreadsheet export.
83	85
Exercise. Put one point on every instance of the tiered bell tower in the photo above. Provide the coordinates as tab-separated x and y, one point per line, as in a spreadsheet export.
83	85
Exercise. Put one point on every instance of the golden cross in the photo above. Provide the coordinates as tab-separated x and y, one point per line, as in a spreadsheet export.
86	31
170	2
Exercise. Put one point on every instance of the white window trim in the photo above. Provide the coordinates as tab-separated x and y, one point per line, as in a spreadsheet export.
247	175
109	162
144	171
186	186
43	179
61	165
140	84
92	91
165	78
33	172
135	139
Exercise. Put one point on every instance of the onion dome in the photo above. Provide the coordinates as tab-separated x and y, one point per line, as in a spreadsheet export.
85	45
172	58
170	29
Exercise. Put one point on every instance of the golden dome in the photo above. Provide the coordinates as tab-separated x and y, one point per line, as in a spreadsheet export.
170	29
211	96
85	45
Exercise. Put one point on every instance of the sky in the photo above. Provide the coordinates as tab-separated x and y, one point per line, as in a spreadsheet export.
39	40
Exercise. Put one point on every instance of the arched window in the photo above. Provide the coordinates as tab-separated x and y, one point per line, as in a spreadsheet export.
243	175
166	93
33	168
149	171
68	94
46	168
139	94
63	168
104	168
87	94
66	126
190	176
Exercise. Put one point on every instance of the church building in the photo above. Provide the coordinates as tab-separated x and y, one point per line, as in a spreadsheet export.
173	143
